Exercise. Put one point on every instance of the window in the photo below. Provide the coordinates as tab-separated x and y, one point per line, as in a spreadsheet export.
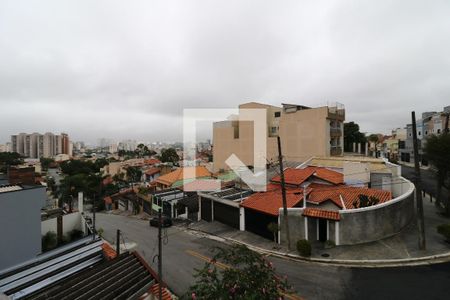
438	131
426	132
273	130
419	132
277	114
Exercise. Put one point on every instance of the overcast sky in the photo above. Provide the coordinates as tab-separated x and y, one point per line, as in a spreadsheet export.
126	69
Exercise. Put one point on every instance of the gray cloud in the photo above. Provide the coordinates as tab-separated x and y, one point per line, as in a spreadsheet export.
118	69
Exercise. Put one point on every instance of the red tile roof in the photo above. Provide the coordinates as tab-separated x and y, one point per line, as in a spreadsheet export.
321	213
152	171
191	172
108	251
152	161
298	176
202	185
295	176
329	175
154	289
270	202
321	193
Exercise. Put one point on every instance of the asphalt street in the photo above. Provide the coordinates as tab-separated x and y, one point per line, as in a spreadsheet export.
428	180
184	252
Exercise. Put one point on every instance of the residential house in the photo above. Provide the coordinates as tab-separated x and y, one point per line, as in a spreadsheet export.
431	123
20	222
85	269
181	176
392	143
345	200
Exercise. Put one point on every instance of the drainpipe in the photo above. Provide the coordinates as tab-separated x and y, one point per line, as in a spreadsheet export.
305	186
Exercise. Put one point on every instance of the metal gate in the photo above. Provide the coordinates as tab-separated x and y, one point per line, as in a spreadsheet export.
226	214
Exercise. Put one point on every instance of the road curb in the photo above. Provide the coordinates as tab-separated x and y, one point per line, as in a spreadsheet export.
375	263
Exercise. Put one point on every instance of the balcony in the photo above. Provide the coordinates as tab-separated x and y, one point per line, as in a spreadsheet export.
335	132
336	111
335	150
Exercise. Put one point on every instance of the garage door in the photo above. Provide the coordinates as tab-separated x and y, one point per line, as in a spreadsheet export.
226	214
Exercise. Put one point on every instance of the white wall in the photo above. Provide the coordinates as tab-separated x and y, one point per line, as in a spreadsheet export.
70	222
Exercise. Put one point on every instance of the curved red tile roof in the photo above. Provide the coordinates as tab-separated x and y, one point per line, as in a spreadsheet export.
298	176
270	202
321	193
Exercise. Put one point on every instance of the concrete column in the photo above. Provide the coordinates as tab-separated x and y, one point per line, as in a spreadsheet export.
336	227
279	226
328	230
241	219
359	148
212	210
354	147
367	149
80	202
199	209
306	228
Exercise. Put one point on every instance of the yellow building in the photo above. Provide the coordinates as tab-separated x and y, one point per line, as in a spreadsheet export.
304	132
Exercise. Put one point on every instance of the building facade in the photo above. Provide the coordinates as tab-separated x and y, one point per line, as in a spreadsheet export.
38	145
20	223
304	132
431	123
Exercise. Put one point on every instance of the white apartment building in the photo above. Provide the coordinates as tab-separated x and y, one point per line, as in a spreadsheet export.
38	145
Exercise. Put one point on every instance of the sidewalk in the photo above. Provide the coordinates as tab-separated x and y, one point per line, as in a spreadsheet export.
411	165
399	249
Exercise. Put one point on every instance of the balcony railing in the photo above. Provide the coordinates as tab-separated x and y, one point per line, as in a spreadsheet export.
335	131
336	111
336	150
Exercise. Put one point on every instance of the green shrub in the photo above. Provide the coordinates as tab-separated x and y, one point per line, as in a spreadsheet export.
304	248
49	241
329	244
444	229
75	235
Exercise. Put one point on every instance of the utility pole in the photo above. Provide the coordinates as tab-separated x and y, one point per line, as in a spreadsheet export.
160	254
93	219
420	217
283	193
446	129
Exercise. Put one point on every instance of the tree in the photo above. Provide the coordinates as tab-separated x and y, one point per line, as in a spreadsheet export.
169	155
246	275
352	135
365	201
9	159
51	184
46	162
437	151
134	174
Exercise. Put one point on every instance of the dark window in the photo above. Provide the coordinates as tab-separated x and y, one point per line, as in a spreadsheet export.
277	114
438	131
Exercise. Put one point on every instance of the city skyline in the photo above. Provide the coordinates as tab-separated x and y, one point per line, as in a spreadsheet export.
122	70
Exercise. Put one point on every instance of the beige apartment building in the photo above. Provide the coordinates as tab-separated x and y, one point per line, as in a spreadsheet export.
37	145
304	132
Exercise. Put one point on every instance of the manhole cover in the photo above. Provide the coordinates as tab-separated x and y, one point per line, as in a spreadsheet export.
325	255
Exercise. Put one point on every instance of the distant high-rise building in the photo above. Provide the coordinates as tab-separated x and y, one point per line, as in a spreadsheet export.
38	145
